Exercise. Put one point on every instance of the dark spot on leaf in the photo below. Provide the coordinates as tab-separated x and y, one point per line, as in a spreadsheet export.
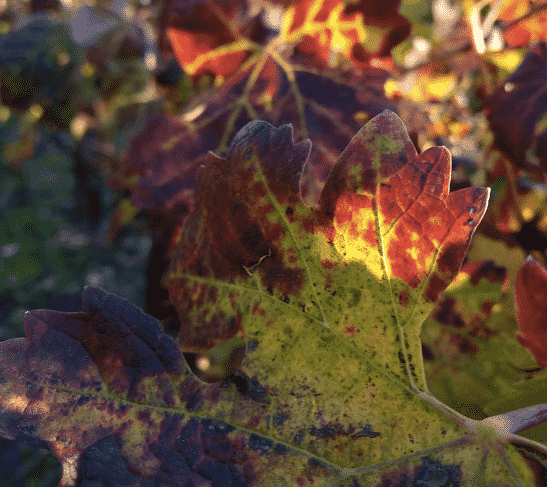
83	399
280	449
103	464
279	419
143	416
298	438
447	314
401	357
404	298
435	474
323	432
488	270
216	427
289	211
468	347
195	401
246	386
365	432
260	444
285	299
189	441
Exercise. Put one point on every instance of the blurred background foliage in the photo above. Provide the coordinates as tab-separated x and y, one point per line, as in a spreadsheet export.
76	80
75	84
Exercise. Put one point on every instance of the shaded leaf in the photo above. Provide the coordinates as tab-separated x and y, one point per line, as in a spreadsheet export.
523	93
321	103
470	340
160	171
531	306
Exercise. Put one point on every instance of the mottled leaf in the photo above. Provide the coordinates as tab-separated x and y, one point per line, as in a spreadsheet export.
218	36
469	340
262	76
358	274
330	301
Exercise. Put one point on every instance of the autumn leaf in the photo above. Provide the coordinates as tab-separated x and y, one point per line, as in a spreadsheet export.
270	79
529	30
523	92
330	301
472	356
530	288
370	192
212	37
218	37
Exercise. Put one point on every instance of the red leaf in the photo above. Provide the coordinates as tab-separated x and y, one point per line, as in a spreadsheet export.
196	28
531	306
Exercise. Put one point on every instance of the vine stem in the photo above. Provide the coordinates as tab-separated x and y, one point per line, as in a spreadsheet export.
522	419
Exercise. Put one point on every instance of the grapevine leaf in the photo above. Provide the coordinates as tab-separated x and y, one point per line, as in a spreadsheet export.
330	300
211	36
218	37
525	89
270	80
384	212
161	174
470	340
327	27
530	288
321	103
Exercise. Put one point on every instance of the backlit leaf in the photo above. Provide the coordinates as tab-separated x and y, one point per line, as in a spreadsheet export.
527	31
